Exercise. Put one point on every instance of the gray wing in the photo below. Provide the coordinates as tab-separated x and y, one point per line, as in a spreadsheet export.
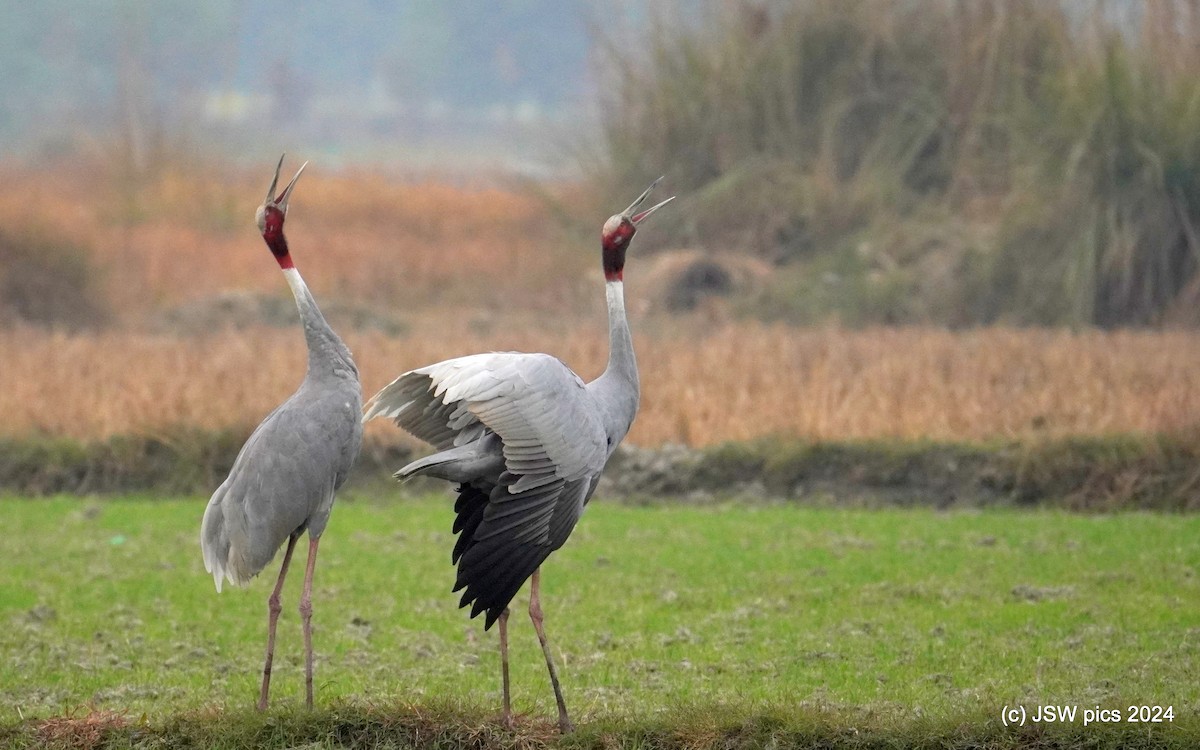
503	538
282	483
544	416
554	448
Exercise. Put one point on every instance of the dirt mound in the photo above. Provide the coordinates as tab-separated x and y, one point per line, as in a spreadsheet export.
682	280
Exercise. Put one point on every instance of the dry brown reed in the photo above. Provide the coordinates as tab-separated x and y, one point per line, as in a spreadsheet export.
699	387
478	268
360	235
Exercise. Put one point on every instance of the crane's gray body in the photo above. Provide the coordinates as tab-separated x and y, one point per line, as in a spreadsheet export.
526	439
284	479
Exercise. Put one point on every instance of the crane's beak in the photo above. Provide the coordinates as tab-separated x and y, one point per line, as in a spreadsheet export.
282	200
639	217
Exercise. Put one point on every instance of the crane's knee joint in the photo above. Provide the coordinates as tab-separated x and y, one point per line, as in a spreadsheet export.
274	605
306	609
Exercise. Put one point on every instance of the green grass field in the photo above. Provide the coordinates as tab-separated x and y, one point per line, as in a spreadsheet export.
886	622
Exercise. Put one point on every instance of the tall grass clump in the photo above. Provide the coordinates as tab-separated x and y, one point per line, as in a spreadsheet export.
48	280
953	162
1120	170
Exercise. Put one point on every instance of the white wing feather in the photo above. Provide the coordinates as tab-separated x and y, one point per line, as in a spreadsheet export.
540	409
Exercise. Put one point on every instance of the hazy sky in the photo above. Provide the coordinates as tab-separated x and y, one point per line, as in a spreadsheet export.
364	79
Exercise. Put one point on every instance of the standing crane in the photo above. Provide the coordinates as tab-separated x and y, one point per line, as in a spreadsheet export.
526	440
284	479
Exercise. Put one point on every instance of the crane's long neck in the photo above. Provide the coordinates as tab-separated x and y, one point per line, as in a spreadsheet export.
617	389
327	355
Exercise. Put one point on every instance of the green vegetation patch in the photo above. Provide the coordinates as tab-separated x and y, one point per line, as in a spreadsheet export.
718	626
1082	473
183	460
1079	473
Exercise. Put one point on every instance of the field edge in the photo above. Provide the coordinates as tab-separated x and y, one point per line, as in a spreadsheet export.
1085	473
367	724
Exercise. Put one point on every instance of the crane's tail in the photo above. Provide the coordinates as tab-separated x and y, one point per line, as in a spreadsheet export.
223	542
214	544
217	570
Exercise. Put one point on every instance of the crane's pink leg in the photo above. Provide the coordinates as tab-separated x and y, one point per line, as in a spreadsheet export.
535	614
306	618
506	715
274	607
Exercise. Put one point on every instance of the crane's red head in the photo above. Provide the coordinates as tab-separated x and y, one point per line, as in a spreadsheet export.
618	232
272	213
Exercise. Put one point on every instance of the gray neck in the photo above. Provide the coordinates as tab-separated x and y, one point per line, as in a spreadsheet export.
617	390
327	355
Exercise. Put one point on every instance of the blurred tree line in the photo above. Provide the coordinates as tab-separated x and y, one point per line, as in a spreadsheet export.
955	162
90	66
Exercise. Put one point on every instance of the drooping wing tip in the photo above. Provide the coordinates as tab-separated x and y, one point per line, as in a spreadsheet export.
374	406
368	411
390	401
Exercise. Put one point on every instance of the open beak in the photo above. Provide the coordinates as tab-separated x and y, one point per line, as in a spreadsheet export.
639	217
282	200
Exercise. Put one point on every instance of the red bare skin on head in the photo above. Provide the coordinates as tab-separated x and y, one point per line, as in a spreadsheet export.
614	244
273	235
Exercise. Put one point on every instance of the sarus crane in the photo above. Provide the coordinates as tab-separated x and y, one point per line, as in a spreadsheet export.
284	479
526	440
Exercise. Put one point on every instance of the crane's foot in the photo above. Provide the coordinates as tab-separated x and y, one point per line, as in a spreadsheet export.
564	724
